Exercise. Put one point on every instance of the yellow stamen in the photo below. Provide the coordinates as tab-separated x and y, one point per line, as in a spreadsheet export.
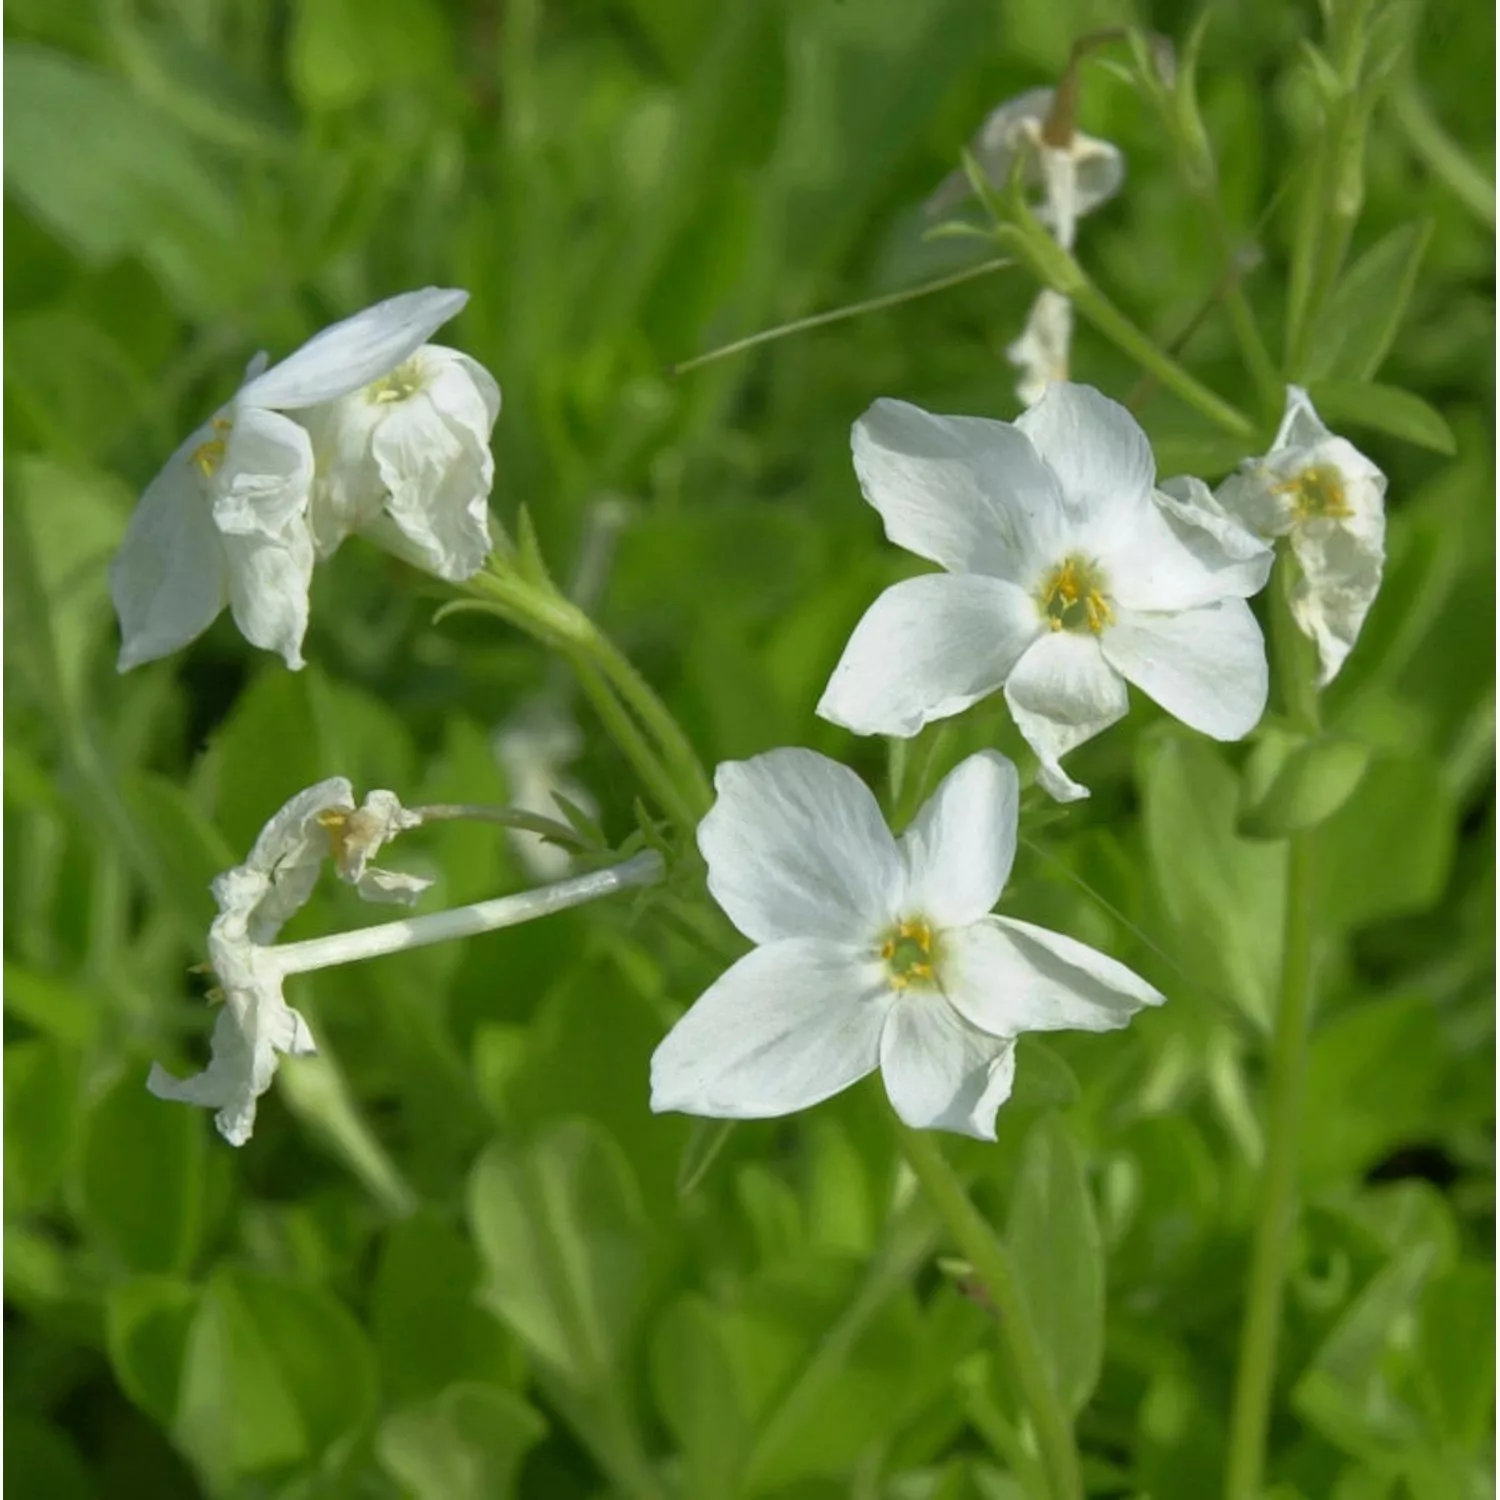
402	383
910	954
1318	491
1072	597
208	455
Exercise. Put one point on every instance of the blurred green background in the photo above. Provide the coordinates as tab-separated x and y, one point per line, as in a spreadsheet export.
456	1260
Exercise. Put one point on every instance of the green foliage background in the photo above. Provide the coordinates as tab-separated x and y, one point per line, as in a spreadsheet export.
456	1261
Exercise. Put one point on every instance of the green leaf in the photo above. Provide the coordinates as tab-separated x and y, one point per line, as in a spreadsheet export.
1058	1255
342	52
562	1238
1305	789
142	1177
41	1461
41	1115
705	1141
1222	894
1043	1079
274	1374
466	1443
51	1005
146	1322
1356	326
699	1389
1385	409
422	1315
1388	850
1457	1353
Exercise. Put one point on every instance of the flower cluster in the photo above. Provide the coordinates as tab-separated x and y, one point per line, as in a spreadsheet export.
367	428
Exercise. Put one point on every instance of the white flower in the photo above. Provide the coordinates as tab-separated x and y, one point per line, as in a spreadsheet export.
1075	179
874	951
1329	499
406	461
255	899
1066	577
226	520
1041	352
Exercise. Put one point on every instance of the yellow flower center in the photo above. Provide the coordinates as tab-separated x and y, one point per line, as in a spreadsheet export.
1318	491
400	385
208	455
1072	596
910	954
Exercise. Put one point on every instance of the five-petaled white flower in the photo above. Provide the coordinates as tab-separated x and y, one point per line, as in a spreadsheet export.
1067	575
227	520
406	461
874	951
1323	494
255	1025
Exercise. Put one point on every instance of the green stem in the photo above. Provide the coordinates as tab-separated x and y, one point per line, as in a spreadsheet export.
1119	330
1256	1372
1444	157
987	1254
1277	1212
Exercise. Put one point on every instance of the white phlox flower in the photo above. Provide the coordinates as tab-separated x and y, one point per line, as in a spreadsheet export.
255	1026
1074	179
1068	574
406	461
874	951
226	520
534	746
1322	494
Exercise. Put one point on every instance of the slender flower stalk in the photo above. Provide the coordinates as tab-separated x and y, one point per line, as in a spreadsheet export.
462	921
1276	1218
987	1254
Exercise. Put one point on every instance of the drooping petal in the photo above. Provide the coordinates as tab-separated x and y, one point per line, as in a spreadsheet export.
1041	353
966	492
1101	171
797	847
1008	977
358	835
1061	693
940	1072
254	1028
1341	574
1301	426
789	1025
1239	560
1205	666
268	590
926	649
960	846
167	579
1096	449
1007	129
355	351
262	485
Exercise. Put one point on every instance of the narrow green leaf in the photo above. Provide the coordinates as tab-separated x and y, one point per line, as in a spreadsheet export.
1356	326
1385	408
1308	787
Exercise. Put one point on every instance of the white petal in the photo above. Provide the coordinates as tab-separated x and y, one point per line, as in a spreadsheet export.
355	351
262	485
391	886
1239	560
959	848
268	590
1041	352
167	579
926	649
1206	666
994	147
1093	445
347	493
1301	426
1008	977
796	847
1101	171
1341	574
940	1072
432	453
252	1028
1062	693
966	492
791	1024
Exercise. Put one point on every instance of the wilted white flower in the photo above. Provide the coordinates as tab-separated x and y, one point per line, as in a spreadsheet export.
1323	494
406	461
256	1027
1066	577
226	520
1074	179
874	951
1041	353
